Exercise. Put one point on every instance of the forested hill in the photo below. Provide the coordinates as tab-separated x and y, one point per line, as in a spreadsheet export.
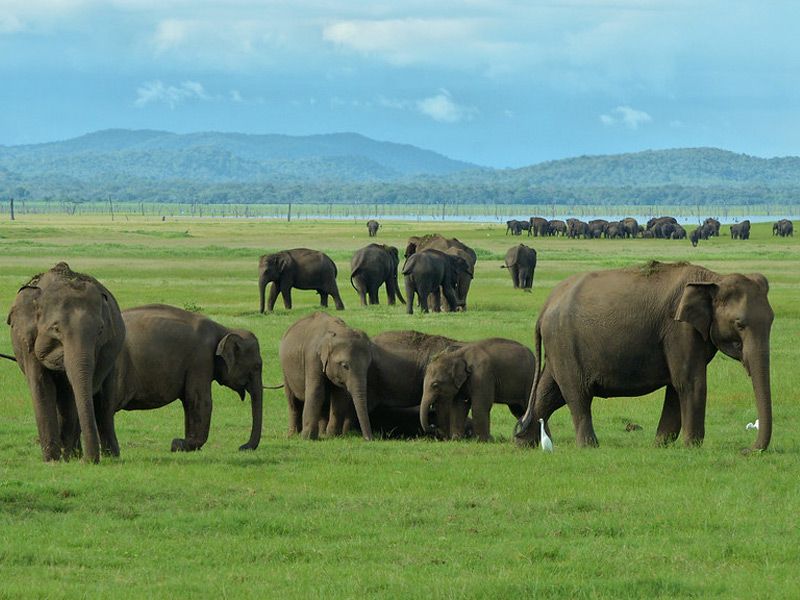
224	168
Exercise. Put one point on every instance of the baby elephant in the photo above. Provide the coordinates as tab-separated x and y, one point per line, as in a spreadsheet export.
171	354
482	373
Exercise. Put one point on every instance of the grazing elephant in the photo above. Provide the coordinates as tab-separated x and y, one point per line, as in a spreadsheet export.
172	354
373	266
741	231
557	227
678	233
454	247
673	318
299	268
67	330
783	228
479	374
427	271
372	227
538	226
322	358
521	263
714	226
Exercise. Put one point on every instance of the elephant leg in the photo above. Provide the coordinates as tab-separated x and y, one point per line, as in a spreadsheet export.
43	395
312	408
197	419
295	411
104	412
373	294
340	402
362	292
669	425
337	299
323	298
68	422
391	297
286	293
437	300
693	411
273	296
410	291
514	276
579	402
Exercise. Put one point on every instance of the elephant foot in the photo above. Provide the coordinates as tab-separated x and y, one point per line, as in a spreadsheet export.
179	445
247	446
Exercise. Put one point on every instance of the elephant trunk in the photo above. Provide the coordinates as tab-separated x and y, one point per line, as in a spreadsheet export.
80	366
425	410
255	389
358	390
262	288
757	365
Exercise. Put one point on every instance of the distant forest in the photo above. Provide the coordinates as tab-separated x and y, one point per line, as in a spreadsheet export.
216	168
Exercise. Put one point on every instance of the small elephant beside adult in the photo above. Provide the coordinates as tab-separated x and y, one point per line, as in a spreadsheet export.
172	354
299	268
741	231
431	273
453	247
474	377
520	261
67	331
373	266
629	332
372	227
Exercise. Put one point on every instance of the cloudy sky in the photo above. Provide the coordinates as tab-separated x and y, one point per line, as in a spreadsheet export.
496	82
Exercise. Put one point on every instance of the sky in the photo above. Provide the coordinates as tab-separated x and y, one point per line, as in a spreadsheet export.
502	83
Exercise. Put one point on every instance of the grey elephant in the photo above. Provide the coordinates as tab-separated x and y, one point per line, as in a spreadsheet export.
521	263
323	360
578	228
741	231
477	375
454	247
596	228
630	226
538	226
299	268
713	226
372	227
172	354
675	317
615	230
783	228
373	266
678	233
428	272
67	331
557	227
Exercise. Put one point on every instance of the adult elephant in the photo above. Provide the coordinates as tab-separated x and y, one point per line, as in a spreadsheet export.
454	247
172	354
322	358
615	230
678	233
741	231
67	331
299	268
713	225
372	227
783	228
427	272
674	319
538	226
373	266
696	236
514	227
477	376
521	263
557	227
578	228
630	226
597	227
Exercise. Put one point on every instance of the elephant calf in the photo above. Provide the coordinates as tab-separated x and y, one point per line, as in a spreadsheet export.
171	354
480	374
429	271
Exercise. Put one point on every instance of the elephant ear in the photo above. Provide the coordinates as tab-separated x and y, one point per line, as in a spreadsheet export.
695	306
284	261
229	348
760	280
459	372
325	349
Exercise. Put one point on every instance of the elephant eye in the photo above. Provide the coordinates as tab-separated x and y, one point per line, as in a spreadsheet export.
345	366
435	384
740	325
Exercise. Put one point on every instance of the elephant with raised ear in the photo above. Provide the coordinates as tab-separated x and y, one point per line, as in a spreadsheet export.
521	263
673	318
299	268
322	358
67	330
370	268
477	375
172	354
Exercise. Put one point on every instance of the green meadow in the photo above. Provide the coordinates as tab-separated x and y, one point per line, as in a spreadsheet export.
395	519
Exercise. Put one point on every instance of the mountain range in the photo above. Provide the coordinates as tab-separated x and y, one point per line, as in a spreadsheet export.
235	167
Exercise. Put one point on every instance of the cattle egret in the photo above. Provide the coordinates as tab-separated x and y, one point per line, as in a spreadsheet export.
546	443
752	425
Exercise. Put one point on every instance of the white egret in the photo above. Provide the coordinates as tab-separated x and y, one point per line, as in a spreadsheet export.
546	443
752	426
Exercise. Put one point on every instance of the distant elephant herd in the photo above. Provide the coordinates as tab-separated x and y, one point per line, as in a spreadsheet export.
620	332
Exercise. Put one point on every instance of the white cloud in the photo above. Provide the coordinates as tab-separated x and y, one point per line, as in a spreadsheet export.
627	116
156	92
235	96
442	108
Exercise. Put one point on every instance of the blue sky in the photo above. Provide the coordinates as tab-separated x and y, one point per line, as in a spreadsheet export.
496	82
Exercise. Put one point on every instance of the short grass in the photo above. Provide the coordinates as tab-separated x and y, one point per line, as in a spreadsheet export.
346	518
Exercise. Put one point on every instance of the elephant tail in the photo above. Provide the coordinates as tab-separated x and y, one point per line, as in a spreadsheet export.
353	274
272	387
524	423
8	357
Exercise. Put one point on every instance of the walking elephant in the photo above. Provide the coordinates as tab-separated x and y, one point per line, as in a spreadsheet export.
454	247
741	231
172	354
373	266
557	227
372	227
521	263
299	268
539	226
67	331
323	360
430	271
477	375
629	332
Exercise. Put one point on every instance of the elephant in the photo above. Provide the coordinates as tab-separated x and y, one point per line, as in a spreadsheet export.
300	268
514	226
521	262
630	226
322	358
172	354
696	236
538	226
454	247
629	332
67	331
783	228
427	271
651	223
741	231
714	226
678	233
597	227
557	227
615	230
476	375
373	266
578	228
372	227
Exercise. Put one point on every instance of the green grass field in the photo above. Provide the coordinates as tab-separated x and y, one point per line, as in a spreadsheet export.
347	518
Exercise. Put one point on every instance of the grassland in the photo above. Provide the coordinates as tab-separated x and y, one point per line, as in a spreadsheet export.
346	518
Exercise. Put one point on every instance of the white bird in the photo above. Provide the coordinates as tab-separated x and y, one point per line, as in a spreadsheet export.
752	426
546	443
